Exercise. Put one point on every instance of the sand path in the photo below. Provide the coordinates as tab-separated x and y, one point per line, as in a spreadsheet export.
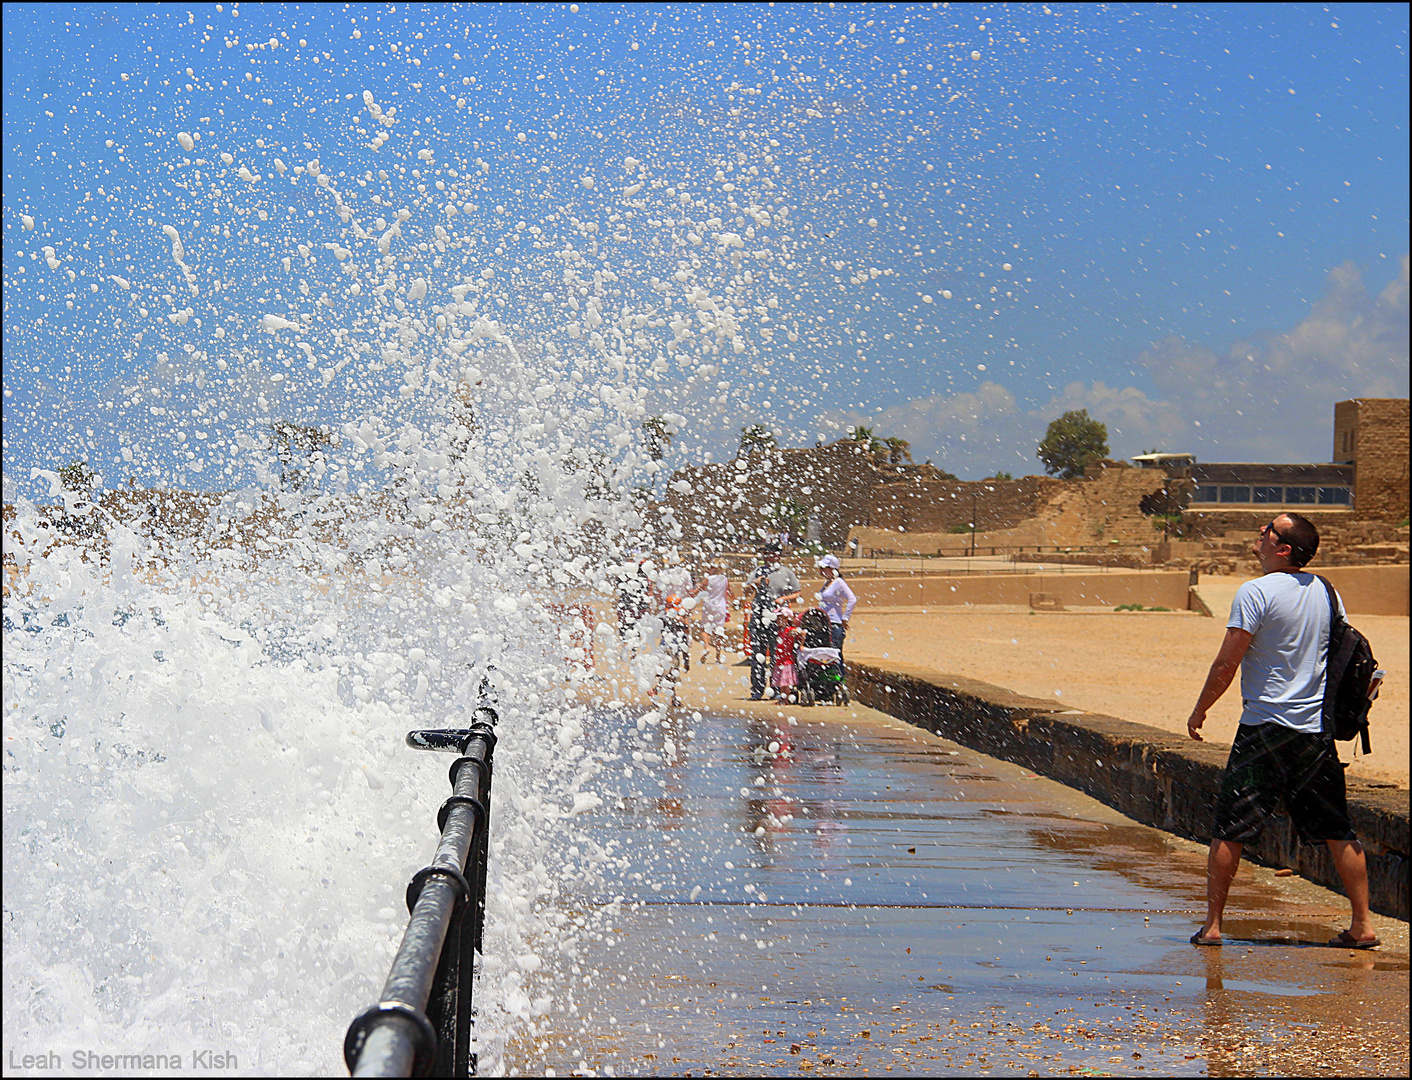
1145	667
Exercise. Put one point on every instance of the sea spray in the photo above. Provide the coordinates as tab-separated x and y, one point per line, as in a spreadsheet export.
380	395
211	815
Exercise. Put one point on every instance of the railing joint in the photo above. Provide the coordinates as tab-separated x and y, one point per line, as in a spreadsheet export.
425	1051
420	878
469	800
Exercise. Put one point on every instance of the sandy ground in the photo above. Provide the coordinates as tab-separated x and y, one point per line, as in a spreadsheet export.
1145	667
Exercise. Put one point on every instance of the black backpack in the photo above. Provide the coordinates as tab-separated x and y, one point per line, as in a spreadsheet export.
1349	688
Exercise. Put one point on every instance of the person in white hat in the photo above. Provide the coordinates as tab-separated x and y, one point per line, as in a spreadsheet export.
837	600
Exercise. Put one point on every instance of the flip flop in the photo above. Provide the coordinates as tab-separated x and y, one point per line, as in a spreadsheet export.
1347	941
1197	939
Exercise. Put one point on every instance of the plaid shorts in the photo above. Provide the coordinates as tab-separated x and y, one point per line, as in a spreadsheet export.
1270	761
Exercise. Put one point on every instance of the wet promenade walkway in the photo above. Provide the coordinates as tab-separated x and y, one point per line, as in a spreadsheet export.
845	894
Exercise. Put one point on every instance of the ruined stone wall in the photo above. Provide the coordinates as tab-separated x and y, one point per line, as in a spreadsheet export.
1103	507
1345	432
1205	524
846	488
938	505
736	498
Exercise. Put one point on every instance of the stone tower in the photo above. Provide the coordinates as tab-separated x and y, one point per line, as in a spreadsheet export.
1371	434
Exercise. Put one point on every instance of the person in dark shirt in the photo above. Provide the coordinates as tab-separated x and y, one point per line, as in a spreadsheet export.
771	585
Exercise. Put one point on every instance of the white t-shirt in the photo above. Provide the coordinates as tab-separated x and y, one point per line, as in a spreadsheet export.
837	599
1282	675
713	607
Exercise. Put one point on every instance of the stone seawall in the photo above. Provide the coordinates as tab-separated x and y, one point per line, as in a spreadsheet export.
1166	588
1152	776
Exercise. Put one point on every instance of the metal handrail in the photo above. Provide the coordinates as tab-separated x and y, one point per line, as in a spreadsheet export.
423	1022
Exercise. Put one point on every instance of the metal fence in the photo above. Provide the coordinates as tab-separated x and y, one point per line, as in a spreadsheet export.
423	1022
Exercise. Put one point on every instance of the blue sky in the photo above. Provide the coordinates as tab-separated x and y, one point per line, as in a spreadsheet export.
949	224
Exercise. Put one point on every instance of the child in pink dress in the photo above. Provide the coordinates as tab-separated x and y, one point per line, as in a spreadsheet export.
784	673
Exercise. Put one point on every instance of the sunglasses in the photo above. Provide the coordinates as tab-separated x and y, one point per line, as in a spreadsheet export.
1270	528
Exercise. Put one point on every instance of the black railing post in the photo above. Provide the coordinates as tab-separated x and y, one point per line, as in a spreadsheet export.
424	1020
450	1008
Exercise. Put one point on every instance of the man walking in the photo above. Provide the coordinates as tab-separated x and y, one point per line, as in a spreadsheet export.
1278	635
772	584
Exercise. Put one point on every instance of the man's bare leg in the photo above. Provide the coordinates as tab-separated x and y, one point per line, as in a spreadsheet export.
1352	867
1221	866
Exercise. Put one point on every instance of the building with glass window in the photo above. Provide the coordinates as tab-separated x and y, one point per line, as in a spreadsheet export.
1368	471
1281	487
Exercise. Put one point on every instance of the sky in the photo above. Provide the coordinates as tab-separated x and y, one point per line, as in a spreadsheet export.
949	224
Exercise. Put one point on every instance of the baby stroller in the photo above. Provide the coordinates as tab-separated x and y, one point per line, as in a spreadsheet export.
820	664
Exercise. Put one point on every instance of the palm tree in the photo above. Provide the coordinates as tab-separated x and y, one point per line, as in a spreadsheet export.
77	477
789	515
462	425
869	440
898	451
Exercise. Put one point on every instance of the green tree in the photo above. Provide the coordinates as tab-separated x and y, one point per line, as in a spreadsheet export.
461	427
789	515
1072	443
77	477
659	435
1002	475
755	438
298	447
869	438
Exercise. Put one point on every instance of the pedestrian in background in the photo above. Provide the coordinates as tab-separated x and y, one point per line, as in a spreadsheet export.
715	592
838	601
771	585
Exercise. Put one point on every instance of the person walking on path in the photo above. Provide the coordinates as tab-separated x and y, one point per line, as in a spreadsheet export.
837	600
635	598
1278	635
771	585
715	610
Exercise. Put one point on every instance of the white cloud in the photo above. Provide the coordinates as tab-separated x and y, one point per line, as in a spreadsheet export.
1268	398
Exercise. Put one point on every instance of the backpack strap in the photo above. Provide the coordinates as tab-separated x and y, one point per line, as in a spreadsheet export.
1346	645
1328	710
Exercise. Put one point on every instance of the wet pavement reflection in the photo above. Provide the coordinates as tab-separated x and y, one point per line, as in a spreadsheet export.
854	895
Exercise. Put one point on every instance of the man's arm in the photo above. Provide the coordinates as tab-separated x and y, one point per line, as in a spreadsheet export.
1218	679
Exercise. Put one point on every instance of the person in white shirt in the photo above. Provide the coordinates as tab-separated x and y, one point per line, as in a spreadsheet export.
1278	636
715	592
837	600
